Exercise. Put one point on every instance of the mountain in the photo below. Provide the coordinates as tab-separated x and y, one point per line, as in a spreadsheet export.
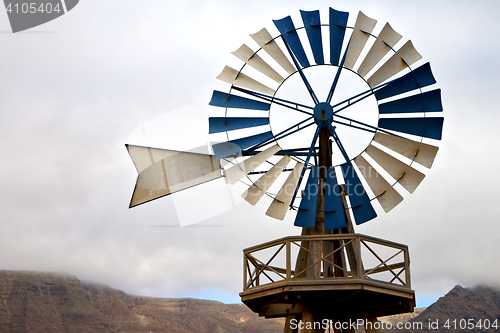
471	310
58	302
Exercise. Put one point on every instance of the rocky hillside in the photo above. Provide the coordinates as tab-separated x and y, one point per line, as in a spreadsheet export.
48	302
461	310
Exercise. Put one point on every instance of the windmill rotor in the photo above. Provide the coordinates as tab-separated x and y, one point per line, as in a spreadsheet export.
404	132
272	128
268	133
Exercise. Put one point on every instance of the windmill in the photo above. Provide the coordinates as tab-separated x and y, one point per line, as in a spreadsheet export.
325	152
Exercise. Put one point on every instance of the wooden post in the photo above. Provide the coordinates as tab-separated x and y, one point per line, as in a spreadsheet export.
288	324
301	263
371	320
245	268
288	266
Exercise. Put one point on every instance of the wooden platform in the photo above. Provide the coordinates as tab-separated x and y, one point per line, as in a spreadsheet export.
272	289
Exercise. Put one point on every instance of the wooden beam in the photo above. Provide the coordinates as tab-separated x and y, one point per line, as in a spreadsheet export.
281	310
386	268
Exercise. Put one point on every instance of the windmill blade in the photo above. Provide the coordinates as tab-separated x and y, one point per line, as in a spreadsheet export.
404	174
232	76
312	24
417	78
404	57
334	210
306	216
234	147
338	24
386	195
287	29
245	54
279	206
236	172
226	100
255	192
425	102
163	172
267	43
382	45
362	209
419	152
362	28
427	127
223	124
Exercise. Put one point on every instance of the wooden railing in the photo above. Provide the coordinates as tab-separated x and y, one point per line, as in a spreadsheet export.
274	262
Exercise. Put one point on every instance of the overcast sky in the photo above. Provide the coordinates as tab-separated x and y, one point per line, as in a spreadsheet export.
75	90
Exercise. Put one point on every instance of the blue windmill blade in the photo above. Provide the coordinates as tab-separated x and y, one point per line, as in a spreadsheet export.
426	102
290	36
306	216
226	100
234	147
223	124
427	127
417	78
312	24
361	207
334	209
338	24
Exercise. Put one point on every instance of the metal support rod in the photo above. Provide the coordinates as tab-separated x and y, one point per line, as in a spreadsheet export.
309	154
275	100
281	135
304	79
337	76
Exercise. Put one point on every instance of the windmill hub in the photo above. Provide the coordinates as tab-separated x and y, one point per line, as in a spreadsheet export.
323	112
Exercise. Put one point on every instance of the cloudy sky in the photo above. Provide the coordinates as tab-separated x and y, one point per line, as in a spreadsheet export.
75	90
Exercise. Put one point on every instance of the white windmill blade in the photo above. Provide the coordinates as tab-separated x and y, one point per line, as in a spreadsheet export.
386	195
163	172
232	76
382	45
362	28
408	177
255	192
245	54
236	172
419	152
266	41
279	206
405	56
